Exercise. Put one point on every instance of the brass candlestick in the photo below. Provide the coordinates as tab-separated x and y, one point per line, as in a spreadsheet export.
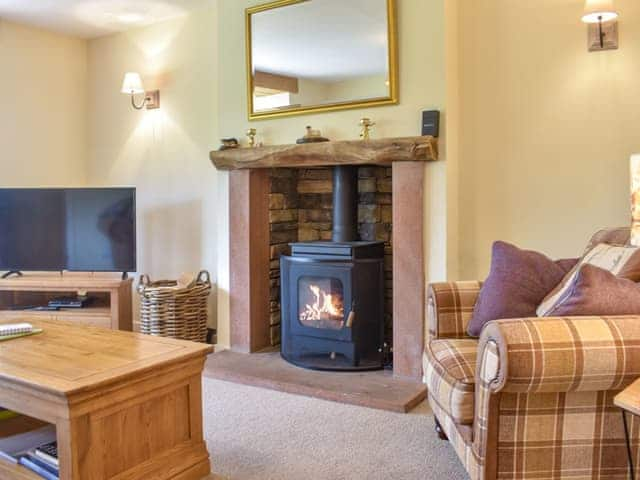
251	135
366	125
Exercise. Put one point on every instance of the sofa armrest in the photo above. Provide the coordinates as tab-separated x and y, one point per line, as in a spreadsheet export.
449	308
553	354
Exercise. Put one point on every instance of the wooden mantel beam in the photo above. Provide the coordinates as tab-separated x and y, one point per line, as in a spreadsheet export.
383	151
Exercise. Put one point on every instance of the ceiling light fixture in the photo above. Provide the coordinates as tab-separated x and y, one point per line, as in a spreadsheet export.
601	17
132	85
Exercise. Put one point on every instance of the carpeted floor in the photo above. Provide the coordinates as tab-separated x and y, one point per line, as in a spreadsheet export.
253	433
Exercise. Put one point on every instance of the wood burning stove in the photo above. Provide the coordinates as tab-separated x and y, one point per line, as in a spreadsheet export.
332	293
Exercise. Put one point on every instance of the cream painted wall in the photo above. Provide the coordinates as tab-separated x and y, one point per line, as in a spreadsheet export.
164	152
546	127
421	29
43	99
451	122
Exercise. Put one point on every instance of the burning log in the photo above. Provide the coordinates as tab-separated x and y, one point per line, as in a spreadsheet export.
326	305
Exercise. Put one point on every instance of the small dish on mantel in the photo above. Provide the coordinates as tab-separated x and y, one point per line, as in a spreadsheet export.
312	136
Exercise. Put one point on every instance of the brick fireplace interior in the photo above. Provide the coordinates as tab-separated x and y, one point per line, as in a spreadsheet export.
301	210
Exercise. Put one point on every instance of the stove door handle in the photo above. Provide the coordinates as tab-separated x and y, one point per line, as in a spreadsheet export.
350	319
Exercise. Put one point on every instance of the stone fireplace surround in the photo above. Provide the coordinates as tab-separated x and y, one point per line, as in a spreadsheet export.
250	237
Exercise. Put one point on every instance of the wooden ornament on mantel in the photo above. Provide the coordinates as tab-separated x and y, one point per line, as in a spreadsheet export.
382	151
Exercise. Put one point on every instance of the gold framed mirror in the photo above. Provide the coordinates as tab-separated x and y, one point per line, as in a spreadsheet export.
309	56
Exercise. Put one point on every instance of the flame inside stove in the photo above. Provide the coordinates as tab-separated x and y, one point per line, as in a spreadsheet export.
326	306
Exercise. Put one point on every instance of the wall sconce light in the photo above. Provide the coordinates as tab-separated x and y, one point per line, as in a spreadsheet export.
132	85
601	17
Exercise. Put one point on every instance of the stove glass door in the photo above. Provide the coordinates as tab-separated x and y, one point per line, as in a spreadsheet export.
321	302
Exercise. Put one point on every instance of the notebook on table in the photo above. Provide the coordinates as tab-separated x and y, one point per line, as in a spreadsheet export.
17	330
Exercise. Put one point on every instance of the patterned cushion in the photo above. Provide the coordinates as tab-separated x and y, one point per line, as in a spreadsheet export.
620	260
610	236
450	367
595	291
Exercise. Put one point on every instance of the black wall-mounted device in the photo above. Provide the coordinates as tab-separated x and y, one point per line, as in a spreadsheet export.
431	123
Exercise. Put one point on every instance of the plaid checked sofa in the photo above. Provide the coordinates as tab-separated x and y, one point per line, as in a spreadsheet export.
532	398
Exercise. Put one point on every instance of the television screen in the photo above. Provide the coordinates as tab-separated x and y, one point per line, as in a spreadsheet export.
79	229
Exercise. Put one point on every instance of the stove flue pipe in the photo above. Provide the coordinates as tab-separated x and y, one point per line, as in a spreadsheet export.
345	204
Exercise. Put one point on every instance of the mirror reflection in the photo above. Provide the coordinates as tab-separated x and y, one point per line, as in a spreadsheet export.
318	54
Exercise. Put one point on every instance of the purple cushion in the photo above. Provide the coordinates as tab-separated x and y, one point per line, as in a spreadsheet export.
517	283
595	291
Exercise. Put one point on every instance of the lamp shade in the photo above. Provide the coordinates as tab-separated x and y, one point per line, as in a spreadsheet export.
599	10
132	83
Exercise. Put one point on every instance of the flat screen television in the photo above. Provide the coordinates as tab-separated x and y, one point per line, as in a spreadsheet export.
75	229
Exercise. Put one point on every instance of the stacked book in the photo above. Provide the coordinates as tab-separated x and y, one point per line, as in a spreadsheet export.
30	443
17	330
42	460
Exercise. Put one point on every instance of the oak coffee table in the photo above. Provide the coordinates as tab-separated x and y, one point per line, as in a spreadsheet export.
126	406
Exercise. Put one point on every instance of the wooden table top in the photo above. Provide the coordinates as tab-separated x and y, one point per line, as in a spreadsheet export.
66	359
629	398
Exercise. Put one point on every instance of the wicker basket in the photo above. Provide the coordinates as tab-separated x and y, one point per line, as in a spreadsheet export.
168	309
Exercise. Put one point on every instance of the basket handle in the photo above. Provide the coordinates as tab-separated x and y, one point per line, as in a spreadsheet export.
143	282
204	277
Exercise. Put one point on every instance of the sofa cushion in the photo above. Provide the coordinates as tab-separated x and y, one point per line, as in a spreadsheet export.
595	291
450	368
518	281
620	260
610	236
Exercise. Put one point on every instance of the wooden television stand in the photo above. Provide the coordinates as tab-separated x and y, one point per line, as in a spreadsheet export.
110	306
